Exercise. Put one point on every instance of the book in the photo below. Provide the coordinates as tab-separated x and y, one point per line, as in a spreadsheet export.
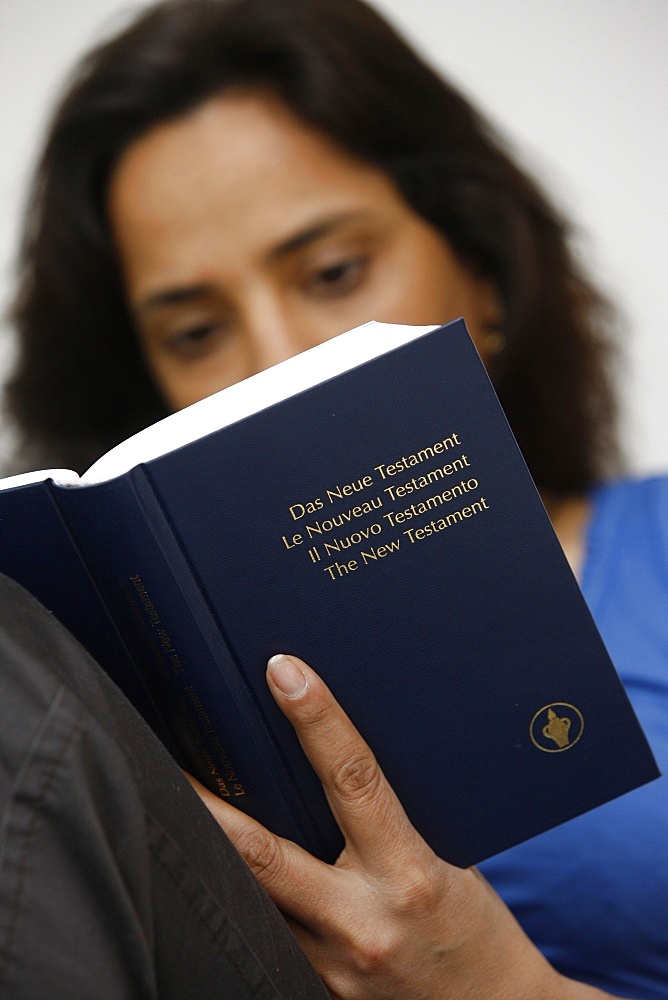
364	506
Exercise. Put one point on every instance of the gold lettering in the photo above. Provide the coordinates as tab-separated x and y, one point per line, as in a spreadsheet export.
423	455
427	530
380	552
339	492
338	570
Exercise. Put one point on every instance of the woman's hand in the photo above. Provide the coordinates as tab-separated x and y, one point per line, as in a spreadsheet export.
389	919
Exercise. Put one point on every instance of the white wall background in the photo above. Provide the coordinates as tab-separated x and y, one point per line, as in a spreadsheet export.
579	85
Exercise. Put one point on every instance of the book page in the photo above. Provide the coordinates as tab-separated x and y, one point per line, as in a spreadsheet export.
62	477
253	394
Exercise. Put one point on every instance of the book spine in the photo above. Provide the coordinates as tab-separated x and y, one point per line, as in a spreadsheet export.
38	551
153	595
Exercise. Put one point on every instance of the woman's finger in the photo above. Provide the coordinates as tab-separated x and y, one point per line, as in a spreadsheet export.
302	887
372	820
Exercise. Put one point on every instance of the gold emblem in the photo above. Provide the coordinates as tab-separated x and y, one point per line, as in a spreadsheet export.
556	727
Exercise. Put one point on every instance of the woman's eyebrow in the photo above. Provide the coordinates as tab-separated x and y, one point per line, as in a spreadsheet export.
313	233
173	296
185	294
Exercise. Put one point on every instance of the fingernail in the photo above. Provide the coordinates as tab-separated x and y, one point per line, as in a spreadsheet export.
287	676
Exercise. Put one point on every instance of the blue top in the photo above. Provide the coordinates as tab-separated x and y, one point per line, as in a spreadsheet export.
593	893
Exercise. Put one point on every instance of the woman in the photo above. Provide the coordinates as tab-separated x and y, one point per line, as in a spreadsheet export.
228	183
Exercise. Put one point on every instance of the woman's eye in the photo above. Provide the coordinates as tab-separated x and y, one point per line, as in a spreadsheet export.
338	279
195	341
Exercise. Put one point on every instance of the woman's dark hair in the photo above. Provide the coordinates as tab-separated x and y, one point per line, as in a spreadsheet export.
80	383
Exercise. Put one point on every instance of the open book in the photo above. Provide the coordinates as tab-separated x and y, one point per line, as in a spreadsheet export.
364	506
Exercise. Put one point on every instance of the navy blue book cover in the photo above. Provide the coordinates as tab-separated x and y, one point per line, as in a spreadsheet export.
383	526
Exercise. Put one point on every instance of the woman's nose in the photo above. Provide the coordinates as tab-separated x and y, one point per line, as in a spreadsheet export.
283	336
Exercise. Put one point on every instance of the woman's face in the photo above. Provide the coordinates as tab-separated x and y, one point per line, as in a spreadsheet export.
246	237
